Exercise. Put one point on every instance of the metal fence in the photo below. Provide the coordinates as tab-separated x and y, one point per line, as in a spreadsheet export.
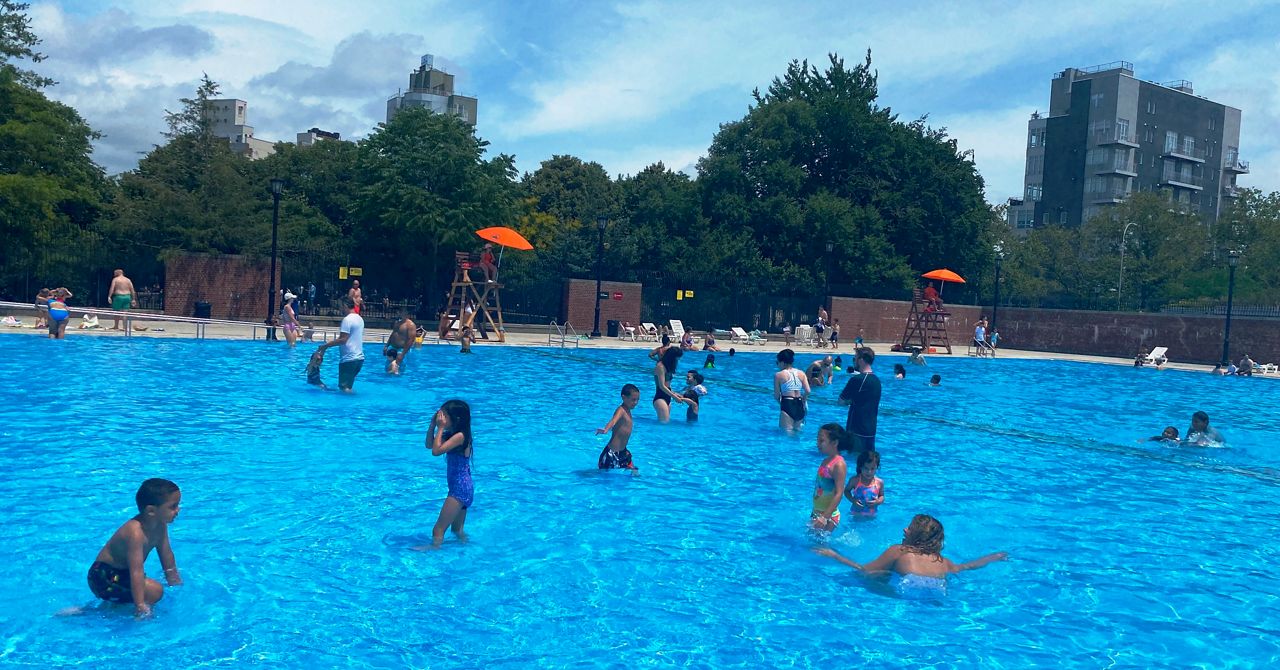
1219	308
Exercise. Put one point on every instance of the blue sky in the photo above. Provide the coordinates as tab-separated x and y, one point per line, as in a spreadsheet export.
629	84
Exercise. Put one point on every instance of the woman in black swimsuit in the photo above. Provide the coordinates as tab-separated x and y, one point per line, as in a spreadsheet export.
662	374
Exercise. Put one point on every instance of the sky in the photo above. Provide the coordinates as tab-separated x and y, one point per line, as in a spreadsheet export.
630	84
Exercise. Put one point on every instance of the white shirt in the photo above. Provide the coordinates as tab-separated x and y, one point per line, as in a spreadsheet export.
353	348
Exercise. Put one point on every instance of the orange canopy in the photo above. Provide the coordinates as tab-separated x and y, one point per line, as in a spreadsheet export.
944	275
505	237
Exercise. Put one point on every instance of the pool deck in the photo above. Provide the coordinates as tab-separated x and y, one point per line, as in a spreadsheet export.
539	339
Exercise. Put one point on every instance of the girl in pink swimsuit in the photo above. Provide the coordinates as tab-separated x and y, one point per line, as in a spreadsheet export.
829	485
865	490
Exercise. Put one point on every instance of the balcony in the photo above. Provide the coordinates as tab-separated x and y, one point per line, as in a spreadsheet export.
1235	165
1109	196
1181	179
1183	152
1229	191
1115	136
1123	167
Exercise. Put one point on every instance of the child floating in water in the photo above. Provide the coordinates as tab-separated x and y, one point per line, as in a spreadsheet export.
829	485
313	369
935	380
615	454
117	573
710	362
450	435
1168	436
693	393
865	490
917	566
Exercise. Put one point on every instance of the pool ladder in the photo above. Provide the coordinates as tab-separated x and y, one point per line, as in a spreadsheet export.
562	334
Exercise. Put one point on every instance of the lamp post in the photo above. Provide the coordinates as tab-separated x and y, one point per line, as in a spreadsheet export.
998	248
827	289
600	221
1233	259
277	186
1120	286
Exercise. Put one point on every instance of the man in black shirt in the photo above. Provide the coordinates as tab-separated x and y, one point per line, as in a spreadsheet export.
862	395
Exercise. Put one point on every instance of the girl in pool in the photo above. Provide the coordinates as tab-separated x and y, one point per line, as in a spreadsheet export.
899	372
917	566
450	435
663	372
829	486
710	362
791	390
865	490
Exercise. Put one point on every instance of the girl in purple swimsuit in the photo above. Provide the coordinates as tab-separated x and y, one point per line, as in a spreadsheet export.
450	435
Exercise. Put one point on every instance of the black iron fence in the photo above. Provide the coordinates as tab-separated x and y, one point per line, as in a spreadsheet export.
1219	308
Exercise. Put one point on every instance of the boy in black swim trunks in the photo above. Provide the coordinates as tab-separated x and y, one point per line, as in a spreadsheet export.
117	574
615	454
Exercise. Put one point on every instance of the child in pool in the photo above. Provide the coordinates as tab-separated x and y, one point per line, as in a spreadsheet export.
710	362
615	454
917	565
466	339
839	364
899	372
313	369
450	435
693	392
1169	436
935	380
865	490
829	484
117	574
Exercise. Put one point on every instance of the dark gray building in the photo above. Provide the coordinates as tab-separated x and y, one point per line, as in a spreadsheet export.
1108	135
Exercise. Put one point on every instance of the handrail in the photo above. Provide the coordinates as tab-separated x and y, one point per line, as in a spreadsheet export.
562	334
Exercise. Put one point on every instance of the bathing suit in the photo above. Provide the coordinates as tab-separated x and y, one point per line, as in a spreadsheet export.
919	587
824	491
612	460
110	583
792	406
392	351
313	376
663	395
121	301
58	310
458	472
866	493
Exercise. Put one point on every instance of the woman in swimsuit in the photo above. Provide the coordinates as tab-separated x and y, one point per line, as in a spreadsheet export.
656	352
59	315
791	390
917	566
829	486
450	435
663	372
289	319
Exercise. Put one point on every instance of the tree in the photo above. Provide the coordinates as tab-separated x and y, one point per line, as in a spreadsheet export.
18	42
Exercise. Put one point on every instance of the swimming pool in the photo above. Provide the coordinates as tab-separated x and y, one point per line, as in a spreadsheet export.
299	507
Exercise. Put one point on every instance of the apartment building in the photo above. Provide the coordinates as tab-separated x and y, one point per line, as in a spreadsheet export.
433	88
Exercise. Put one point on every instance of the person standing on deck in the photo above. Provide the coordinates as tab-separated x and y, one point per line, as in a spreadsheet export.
121	295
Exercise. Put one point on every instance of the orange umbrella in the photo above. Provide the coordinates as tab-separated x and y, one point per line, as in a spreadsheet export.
507	238
944	275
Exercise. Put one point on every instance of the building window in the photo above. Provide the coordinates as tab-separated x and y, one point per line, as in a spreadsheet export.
1170	141
1208	149
1034	192
1138	159
1213	123
1033	140
1122	128
1151	106
1189	146
1148	135
1062	217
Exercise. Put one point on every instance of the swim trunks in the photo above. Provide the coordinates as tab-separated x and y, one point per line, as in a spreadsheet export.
110	583
121	301
347	372
919	587
794	408
391	351
835	518
611	460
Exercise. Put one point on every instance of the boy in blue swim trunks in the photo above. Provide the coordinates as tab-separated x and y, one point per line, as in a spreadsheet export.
117	573
615	454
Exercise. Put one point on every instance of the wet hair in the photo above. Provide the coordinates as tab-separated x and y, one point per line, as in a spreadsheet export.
899	370
711	359
628	389
666	340
697	377
1170	429
936	379
459	413
871	458
923	536
732	351
839	360
1200	416
867	355
154	491
837	433
787	356
670	359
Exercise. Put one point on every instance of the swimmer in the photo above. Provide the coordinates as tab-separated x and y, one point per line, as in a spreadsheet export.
663	373
710	362
693	392
1167	436
839	364
917	565
1200	434
791	391
615	454
313	369
732	352
403	335
658	351
820	371
916	357
829	484
865	490
935	380
899	372
450	435
466	338
118	574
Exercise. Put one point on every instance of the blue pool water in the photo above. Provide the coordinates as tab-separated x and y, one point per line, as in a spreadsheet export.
299	508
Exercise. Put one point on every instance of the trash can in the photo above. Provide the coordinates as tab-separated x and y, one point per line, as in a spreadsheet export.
204	310
613	327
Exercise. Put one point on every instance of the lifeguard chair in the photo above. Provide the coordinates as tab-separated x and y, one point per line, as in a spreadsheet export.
926	326
487	297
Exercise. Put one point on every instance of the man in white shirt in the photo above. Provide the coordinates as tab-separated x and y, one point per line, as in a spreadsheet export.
351	340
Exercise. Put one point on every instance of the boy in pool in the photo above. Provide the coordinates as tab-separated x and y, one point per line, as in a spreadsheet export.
313	369
1168	436
615	454
693	393
1200	434
935	380
917	565
117	573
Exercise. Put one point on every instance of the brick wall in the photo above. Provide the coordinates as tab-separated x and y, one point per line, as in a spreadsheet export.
579	304
235	286
1190	339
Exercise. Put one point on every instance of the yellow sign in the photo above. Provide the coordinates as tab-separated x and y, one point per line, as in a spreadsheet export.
679	295
356	272
688	294
342	272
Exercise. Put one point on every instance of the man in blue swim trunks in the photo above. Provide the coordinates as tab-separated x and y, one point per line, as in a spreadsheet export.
402	338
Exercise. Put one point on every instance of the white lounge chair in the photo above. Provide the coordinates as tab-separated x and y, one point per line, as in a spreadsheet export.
740	336
1266	369
627	332
1157	356
648	331
804	335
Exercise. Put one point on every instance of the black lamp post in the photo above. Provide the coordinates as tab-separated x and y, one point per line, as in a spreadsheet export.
277	186
995	303
1233	259
827	289
600	221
